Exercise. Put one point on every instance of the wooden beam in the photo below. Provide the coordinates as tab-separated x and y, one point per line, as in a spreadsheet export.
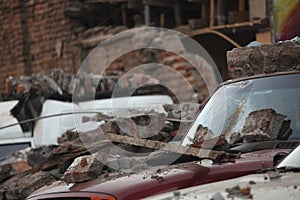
162	20
212	13
204	11
241	5
157	145
177	13
124	14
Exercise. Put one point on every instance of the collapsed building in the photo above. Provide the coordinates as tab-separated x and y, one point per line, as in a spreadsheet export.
41	36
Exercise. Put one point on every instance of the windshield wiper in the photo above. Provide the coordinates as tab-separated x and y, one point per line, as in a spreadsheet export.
289	169
280	169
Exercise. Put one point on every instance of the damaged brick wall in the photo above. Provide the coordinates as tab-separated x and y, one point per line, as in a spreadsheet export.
267	58
36	36
126	62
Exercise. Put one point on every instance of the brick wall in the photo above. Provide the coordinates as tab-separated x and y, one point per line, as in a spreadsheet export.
36	36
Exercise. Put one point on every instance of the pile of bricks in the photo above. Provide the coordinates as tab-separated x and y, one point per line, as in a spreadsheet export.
60	82
72	161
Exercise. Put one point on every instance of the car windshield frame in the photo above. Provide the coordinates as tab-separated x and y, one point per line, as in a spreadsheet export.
259	86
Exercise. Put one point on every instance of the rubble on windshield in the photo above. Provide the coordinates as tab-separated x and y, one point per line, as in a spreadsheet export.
265	124
260	125
204	138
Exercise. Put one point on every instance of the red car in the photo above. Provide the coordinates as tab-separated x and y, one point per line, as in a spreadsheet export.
280	182
256	117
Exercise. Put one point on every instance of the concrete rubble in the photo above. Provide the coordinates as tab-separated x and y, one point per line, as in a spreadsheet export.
21	185
262	125
72	161
11	169
83	168
58	82
264	59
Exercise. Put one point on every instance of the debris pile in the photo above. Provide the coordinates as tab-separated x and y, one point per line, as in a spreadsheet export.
47	164
77	157
264	125
260	125
72	160
57	85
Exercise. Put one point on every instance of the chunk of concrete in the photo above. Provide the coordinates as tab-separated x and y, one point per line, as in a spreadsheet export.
262	125
268	58
82	169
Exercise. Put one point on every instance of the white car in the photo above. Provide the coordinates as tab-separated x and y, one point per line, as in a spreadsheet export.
57	117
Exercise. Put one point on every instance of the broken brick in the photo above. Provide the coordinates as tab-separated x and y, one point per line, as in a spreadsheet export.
6	172
38	155
20	166
141	126
202	133
213	143
83	168
20	186
71	135
11	169
262	125
109	127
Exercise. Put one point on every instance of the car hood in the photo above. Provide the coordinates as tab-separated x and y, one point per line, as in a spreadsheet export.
122	184
271	185
157	180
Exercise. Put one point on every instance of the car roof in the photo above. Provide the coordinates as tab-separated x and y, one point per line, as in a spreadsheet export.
258	76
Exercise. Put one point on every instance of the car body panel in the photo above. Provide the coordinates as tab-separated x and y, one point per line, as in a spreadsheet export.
47	130
146	183
280	182
285	186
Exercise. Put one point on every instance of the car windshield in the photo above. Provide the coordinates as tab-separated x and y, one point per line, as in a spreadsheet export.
267	107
